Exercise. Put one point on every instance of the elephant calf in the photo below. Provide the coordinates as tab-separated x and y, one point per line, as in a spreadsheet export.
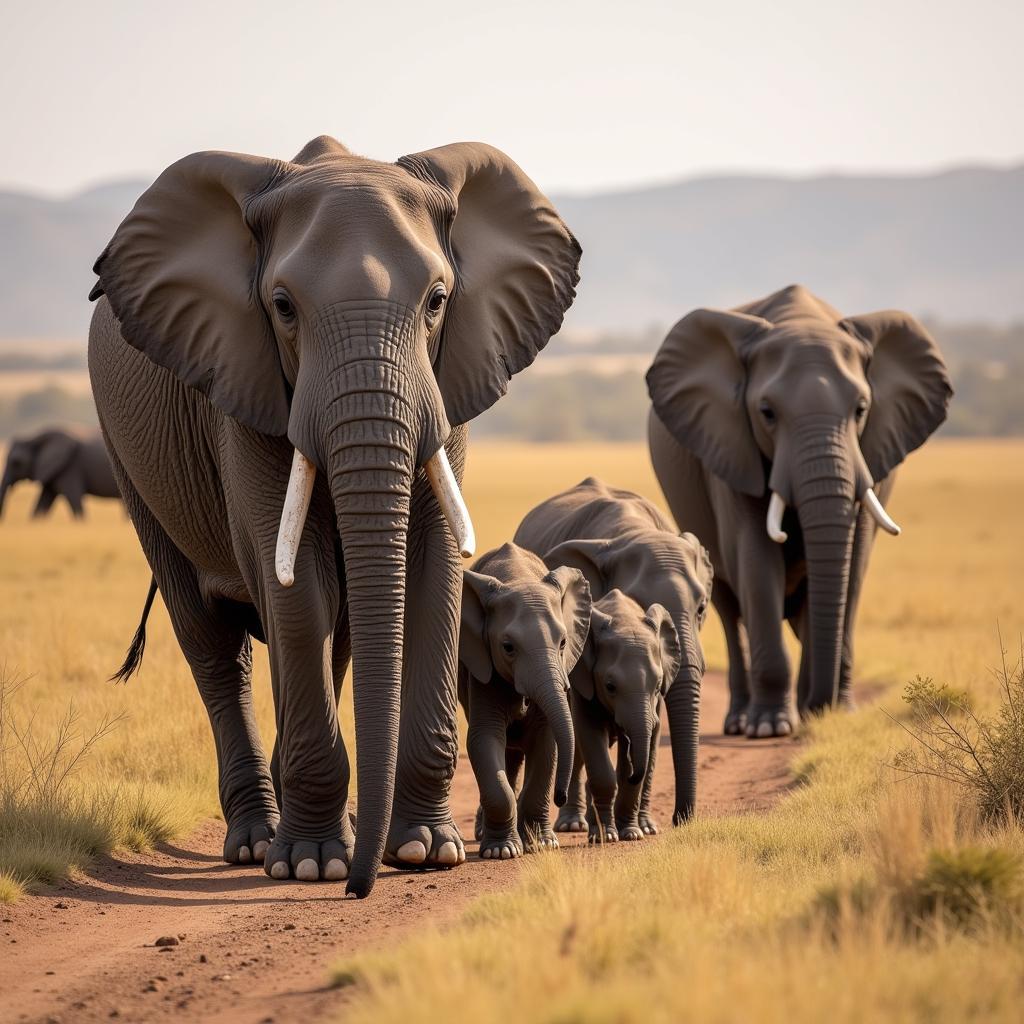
628	662
523	628
66	465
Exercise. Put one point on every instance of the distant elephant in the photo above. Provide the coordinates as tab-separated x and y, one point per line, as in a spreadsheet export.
66	464
282	352
619	540
629	660
775	431
523	628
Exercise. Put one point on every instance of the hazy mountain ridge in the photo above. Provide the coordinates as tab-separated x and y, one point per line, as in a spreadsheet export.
944	245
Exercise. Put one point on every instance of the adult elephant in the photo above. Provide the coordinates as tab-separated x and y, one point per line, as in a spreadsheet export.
68	466
775	432
282	358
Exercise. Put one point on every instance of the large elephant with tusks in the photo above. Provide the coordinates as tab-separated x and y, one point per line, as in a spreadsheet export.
282	359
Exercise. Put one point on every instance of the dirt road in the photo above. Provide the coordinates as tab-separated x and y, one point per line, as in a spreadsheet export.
252	950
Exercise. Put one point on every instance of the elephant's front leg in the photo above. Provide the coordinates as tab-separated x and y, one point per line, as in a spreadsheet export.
600	784
573	816
314	837
486	744
645	819
47	496
627	798
423	831
535	799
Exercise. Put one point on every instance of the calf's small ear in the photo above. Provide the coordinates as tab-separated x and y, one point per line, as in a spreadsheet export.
670	652
474	648
576	605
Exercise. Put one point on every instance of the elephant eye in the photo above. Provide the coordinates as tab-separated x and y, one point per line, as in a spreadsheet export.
508	647
862	409
561	644
767	413
702	610
610	687
283	305
435	301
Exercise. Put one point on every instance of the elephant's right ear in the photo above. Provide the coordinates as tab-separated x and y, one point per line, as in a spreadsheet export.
576	605
581	678
697	383
670	652
474	651
516	267
181	277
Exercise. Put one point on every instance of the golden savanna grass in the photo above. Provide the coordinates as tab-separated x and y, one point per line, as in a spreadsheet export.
706	924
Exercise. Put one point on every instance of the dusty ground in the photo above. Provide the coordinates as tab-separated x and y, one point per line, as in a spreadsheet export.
252	950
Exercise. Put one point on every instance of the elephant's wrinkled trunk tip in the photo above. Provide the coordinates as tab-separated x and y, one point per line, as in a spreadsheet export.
449	497
776	508
878	513
293	517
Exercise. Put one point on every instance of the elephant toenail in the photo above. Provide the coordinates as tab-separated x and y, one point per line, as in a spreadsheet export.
412	852
243	855
307	870
462	854
336	870
506	853
783	728
259	850
448	854
279	869
764	729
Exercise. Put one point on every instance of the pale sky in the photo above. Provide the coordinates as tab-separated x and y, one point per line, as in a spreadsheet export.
584	95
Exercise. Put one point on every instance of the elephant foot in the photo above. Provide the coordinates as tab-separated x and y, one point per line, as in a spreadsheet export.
423	846
571	819
735	722
766	720
601	834
537	836
630	832
309	861
648	825
247	842
501	846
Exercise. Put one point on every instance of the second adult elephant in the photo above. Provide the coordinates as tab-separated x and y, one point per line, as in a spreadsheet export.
66	465
281	359
775	432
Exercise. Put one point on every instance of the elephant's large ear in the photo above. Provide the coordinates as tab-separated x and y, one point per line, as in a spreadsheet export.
910	387
586	555
668	643
697	383
474	651
181	276
516	273
576	604
53	455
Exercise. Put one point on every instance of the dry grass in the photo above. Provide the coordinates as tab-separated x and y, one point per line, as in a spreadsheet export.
71	593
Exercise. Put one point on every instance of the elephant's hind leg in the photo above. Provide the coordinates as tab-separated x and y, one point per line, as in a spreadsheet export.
728	609
216	645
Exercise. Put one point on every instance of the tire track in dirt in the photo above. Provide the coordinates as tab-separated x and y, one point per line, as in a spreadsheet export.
255	950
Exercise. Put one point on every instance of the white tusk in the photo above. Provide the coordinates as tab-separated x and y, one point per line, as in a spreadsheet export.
293	517
775	509
449	497
879	514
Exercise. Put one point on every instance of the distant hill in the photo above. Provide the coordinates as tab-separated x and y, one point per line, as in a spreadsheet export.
946	245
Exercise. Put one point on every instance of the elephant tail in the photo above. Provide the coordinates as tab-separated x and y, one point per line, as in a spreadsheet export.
133	659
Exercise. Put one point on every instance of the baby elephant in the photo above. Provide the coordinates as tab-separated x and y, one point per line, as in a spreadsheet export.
628	662
523	628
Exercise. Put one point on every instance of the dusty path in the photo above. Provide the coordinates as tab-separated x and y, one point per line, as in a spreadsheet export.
251	950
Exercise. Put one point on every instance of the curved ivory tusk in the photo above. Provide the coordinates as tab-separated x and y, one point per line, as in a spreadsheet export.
879	514
449	497
774	523
293	517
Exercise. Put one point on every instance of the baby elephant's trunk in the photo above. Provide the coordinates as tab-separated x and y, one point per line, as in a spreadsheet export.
553	703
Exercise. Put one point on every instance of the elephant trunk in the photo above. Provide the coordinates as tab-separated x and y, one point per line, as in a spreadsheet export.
825	492
637	727
682	704
547	688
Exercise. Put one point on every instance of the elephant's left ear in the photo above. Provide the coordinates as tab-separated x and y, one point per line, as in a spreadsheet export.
516	267
659	620
576	608
910	387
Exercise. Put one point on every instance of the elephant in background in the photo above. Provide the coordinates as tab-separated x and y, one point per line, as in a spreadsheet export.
775	432
68	465
620	540
629	660
523	628
282	357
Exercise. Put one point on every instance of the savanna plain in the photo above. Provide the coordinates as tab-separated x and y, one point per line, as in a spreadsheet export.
886	882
